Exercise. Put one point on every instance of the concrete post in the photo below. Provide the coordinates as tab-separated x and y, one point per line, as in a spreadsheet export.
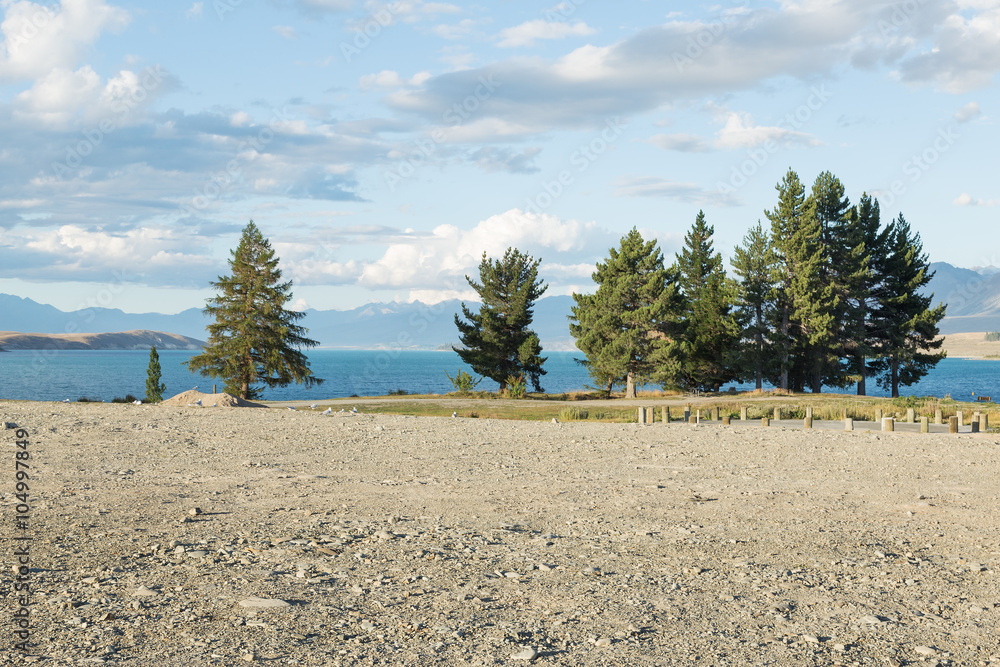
909	415
743	414
764	421
809	412
725	420
642	416
984	422
666	414
687	412
777	414
715	414
975	426
888	424
937	416
961	418
807	422
878	415
692	419
952	424
848	424
924	426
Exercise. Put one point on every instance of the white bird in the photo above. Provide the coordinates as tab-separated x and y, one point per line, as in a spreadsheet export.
454	414
198	402
328	411
65	400
313	406
290	407
342	409
137	402
354	411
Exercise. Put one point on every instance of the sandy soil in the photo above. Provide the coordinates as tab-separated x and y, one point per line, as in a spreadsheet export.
197	536
970	346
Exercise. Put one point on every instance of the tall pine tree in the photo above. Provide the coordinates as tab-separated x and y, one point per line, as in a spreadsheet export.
708	346
805	305
254	341
154	388
497	342
627	327
754	263
906	321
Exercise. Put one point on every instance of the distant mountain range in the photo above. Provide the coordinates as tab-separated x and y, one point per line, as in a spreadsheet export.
973	298
125	340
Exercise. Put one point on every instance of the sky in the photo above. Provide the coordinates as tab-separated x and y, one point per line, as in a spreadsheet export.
384	147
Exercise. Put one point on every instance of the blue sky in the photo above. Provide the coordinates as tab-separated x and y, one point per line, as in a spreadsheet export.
383	147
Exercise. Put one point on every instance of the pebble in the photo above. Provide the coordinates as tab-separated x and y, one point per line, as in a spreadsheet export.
263	603
871	620
810	639
384	535
143	591
367	626
194	511
603	641
924	650
527	654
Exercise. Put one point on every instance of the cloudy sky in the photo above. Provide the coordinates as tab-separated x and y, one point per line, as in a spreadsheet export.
383	147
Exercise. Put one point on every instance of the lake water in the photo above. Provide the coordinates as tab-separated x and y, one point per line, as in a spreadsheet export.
51	375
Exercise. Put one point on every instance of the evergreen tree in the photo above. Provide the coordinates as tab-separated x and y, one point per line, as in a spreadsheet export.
905	320
254	339
805	305
627	326
710	329
864	253
755	264
154	388
498	343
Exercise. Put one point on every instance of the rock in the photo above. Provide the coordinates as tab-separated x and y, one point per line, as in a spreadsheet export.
603	641
870	620
263	603
384	535
367	626
810	639
527	654
145	592
194	511
924	650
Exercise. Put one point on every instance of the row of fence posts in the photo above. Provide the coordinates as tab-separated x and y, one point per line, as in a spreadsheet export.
980	420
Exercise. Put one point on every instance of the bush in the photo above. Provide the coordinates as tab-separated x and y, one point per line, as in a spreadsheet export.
129	398
992	337
573	414
84	399
463	382
398	392
517	387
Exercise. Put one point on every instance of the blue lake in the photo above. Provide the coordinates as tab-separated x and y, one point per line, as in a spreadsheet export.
50	375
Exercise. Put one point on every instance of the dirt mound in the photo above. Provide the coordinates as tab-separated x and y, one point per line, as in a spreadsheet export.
191	398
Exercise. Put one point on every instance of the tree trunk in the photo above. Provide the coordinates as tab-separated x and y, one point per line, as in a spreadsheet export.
863	368
758	362
894	364
244	390
630	386
784	356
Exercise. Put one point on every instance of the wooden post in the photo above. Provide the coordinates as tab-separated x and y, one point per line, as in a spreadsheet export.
213	388
878	415
924	426
715	414
743	414
725	420
764	421
687	412
937	416
777	414
844	415
692	419
975	425
807	422
909	415
984	422
975	416
666	414
698	415
952	424
888	424
961	418
642	415
848	424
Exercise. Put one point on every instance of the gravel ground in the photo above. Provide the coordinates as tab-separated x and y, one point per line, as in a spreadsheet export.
209	536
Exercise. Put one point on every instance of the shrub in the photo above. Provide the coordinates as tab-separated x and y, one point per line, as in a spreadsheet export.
398	392
573	414
517	387
129	398
992	337
463	382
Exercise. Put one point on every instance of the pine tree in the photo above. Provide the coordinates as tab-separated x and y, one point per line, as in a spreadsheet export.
907	323
755	264
627	326
254	340
154	388
710	329
498	343
805	309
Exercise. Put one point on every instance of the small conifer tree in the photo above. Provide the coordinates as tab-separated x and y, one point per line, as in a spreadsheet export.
154	388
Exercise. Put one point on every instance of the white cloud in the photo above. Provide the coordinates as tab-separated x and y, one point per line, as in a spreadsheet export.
527	33
739	132
391	79
195	10
966	199
38	39
970	111
689	193
286	31
684	143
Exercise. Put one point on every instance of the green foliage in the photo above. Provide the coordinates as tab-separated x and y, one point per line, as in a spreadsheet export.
398	392
516	386
497	342
463	382
129	398
254	340
707	346
154	388
627	327
992	337
755	264
573	414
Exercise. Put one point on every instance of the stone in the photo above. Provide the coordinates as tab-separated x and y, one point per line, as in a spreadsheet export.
871	620
810	639
145	592
525	654
194	511
924	650
603	641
